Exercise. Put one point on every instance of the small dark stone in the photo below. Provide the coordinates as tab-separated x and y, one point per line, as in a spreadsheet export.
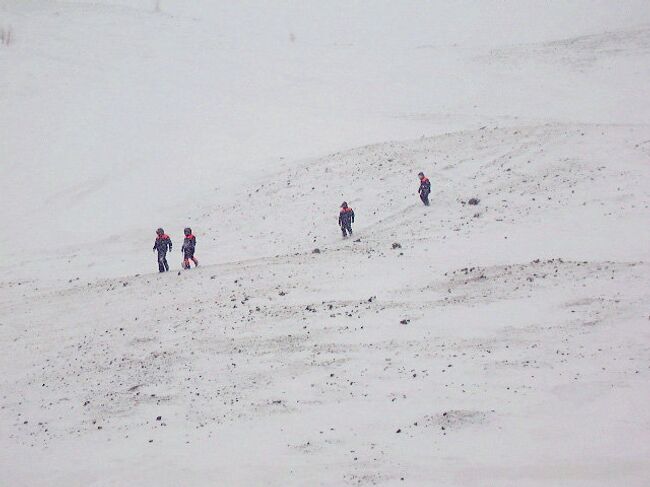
405	322
158	418
399	430
316	251
396	245
474	201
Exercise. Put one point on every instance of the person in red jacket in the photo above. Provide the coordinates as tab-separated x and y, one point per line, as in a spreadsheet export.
425	188
162	244
189	245
346	219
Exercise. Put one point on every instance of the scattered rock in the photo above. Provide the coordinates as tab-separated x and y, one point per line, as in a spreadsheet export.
474	201
316	251
405	322
396	245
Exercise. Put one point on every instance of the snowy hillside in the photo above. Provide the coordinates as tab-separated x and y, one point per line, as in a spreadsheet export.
119	118
496	344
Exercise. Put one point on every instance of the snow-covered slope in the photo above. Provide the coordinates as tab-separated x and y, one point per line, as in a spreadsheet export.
503	343
119	117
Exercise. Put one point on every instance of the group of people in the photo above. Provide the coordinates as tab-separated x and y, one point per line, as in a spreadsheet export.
346	215
163	243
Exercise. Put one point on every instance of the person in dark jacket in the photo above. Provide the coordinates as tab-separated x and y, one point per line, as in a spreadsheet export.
189	244
162	244
425	188
346	219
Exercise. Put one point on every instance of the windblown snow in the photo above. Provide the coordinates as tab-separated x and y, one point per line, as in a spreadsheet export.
503	343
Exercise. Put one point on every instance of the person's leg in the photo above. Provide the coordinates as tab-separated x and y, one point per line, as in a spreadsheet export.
162	257
426	199
188	255
161	265
349	225
343	230
195	260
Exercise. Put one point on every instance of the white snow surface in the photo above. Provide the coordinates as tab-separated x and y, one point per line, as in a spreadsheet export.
498	344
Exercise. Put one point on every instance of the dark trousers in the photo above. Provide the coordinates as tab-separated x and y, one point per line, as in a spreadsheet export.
346	226
187	256
424	196
162	261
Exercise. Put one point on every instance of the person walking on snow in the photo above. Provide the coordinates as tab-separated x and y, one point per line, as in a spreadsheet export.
425	188
162	244
346	219
189	244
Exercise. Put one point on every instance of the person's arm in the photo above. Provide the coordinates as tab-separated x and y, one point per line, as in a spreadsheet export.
340	221
154	244
169	242
352	215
